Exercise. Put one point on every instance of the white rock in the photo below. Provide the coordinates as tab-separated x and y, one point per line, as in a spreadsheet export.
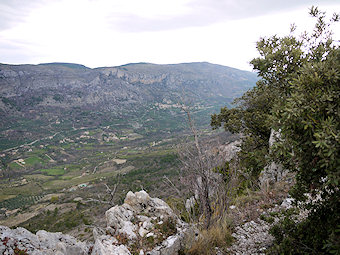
104	246
273	172
43	243
150	234
142	232
132	218
143	218
142	202
119	218
147	225
230	150
189	204
287	203
171	245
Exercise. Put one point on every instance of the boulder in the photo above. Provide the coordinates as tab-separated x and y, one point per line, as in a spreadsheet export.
142	202
138	207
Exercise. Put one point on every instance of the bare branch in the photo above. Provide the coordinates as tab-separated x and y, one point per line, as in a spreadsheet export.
171	184
97	201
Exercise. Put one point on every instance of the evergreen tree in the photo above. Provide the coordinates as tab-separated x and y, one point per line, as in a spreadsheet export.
299	96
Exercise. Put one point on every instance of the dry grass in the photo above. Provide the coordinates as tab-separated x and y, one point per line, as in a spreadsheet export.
248	207
252	204
217	236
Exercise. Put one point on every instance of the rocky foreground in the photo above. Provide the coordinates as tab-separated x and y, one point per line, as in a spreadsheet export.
142	225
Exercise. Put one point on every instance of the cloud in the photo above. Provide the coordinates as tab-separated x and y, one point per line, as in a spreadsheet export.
114	32
207	12
154	15
15	11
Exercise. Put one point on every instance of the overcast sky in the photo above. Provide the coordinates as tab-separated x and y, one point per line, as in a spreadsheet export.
115	32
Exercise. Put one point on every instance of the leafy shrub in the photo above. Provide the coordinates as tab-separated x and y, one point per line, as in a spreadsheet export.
168	227
308	236
268	219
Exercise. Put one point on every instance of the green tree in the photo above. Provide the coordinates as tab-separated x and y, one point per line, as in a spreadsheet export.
298	95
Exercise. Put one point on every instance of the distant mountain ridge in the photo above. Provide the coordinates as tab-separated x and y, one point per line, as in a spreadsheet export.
50	91
63	85
71	65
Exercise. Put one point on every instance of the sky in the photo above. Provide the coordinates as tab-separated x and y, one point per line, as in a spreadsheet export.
99	33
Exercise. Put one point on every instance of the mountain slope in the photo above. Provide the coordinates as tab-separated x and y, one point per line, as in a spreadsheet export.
39	96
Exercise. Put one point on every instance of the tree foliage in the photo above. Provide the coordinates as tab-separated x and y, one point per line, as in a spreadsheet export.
250	118
299	96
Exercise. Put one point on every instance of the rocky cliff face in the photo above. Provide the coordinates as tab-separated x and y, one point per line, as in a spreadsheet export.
29	87
142	225
273	172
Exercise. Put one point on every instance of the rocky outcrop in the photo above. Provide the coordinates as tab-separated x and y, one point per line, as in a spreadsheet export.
273	172
18	240
253	237
230	150
142	225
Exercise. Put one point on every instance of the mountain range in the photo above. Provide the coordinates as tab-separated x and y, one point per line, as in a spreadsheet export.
38	100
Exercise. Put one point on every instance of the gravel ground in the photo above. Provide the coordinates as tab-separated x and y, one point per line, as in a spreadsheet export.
251	238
